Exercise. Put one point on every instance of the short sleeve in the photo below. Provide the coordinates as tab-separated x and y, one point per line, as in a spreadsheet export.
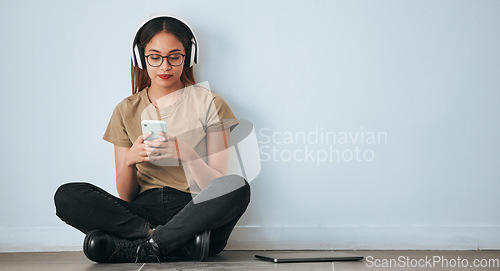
116	132
219	115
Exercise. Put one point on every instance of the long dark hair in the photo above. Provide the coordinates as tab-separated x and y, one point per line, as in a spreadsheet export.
140	78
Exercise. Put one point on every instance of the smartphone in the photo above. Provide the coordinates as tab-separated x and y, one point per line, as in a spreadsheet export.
154	126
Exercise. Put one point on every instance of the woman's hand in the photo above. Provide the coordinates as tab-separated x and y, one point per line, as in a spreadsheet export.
173	147
137	153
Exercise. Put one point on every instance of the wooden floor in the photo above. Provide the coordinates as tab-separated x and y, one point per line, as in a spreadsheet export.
245	260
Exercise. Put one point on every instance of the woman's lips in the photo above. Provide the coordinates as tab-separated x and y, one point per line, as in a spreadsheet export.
165	76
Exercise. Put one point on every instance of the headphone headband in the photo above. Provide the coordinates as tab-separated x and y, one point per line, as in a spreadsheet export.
192	52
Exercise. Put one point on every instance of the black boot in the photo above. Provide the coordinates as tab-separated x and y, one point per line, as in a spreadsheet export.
196	248
104	248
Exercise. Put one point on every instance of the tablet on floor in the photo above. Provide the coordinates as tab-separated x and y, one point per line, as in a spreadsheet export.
307	256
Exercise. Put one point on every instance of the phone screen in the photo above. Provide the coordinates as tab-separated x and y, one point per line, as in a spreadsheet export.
154	126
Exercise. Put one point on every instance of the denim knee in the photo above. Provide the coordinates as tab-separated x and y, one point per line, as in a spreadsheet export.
233	187
64	195
244	189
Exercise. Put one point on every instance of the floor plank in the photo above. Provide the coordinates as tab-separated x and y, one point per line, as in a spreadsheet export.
244	260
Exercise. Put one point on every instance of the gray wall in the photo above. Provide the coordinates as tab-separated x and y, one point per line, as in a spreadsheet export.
378	121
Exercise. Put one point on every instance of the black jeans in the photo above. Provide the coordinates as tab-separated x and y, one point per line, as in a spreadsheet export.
176	215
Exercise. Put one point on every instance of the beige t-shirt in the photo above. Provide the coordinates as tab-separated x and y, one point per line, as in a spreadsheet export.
197	112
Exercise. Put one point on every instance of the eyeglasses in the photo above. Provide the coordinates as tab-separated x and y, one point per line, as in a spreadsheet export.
155	60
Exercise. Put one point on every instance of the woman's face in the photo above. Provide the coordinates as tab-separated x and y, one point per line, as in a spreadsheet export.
165	76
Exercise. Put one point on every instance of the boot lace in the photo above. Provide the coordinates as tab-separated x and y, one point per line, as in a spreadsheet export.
138	250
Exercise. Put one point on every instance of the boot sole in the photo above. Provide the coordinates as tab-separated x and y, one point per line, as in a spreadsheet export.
204	245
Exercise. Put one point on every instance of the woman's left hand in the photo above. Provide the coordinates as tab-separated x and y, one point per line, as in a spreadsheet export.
173	147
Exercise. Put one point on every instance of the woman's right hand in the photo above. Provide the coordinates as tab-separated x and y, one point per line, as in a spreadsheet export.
137	153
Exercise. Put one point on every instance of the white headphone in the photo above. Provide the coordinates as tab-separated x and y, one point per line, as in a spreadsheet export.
192	52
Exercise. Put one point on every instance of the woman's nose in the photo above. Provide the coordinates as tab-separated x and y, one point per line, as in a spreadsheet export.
165	65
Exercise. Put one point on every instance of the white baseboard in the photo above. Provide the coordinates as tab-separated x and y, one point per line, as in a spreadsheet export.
65	238
37	239
366	237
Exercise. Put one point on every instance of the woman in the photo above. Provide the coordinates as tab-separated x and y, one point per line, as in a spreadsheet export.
176	198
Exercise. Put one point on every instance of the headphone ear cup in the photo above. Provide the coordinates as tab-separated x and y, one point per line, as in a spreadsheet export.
139	58
193	58
191	55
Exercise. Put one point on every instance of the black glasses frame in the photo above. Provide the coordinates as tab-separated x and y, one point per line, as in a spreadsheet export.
167	57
